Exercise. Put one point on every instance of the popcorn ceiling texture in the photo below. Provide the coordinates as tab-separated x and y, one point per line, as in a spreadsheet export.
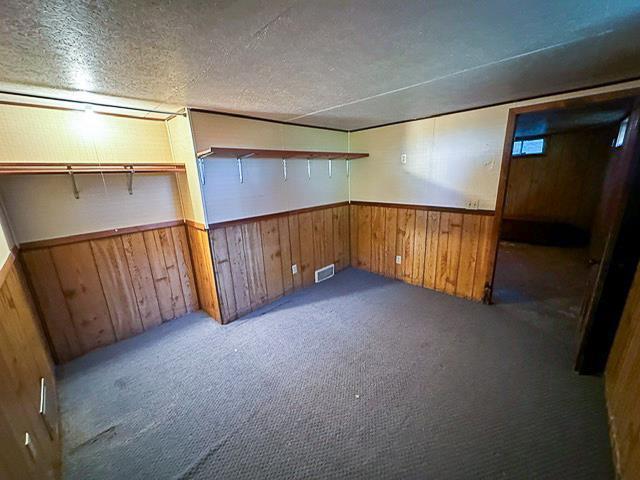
339	64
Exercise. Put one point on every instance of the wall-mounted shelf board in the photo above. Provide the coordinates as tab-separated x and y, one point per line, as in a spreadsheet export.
242	153
80	168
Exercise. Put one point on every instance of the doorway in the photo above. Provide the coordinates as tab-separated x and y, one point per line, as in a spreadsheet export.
564	188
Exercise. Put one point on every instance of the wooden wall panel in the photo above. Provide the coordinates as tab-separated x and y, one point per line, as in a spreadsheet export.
564	184
24	360
94	292
204	276
253	259
440	249
622	384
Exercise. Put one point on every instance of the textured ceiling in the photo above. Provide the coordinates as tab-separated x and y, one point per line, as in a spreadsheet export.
342	64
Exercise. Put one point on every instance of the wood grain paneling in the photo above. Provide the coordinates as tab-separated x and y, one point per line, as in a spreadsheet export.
445	250
95	292
203	270
24	360
564	184
622	384
253	260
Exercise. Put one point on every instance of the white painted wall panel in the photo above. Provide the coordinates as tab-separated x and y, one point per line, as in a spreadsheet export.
450	159
264	190
43	206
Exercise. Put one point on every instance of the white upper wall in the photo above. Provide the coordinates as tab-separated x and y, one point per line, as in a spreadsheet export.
264	189
6	241
43	206
31	134
451	159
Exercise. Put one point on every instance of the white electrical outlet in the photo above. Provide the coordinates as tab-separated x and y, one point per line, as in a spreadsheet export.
294	268
473	204
403	158
398	259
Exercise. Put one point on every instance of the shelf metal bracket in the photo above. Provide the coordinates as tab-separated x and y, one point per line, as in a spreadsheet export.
284	169
130	179
201	170
309	169
74	185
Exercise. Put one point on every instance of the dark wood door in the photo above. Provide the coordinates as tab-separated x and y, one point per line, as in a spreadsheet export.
612	275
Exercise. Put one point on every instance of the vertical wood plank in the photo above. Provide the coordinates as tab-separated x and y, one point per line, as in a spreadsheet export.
364	237
468	255
443	252
319	251
306	249
404	243
202	257
255	264
285	249
85	298
116	283
419	246
328	237
50	299
344	235
339	234
453	252
431	250
390	237
353	234
171	264
185	268
236	249
224	280
135	252
483	257
377	239
272	258
159	274
294	237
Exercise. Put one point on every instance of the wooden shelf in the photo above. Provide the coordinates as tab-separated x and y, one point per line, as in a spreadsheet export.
231	152
85	168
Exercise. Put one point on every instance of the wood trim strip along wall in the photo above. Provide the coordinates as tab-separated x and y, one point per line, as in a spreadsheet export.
8	264
430	208
253	258
83	237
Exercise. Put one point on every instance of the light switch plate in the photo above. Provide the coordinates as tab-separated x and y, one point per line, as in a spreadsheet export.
294	268
398	259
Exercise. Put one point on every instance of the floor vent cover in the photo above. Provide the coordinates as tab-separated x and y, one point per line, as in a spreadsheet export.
325	273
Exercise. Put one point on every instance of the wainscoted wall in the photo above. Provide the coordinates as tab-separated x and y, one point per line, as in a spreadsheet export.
203	269
623	388
253	258
96	289
441	249
24	360
563	184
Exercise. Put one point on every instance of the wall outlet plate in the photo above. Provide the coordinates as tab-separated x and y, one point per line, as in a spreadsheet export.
398	259
403	158
473	204
294	268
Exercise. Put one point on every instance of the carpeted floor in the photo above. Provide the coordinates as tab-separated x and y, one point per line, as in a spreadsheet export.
358	377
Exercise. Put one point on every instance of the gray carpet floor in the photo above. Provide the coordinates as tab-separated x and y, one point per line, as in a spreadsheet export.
357	377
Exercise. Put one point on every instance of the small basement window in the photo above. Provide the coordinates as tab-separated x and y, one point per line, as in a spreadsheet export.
531	146
622	131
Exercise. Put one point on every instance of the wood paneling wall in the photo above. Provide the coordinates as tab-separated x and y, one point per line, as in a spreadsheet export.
24	360
623	388
563	184
441	249
96	291
203	269
253	258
